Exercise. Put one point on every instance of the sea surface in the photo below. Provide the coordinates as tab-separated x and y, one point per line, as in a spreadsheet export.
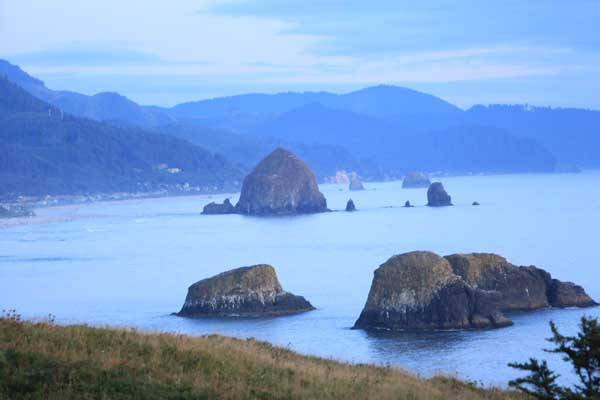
129	263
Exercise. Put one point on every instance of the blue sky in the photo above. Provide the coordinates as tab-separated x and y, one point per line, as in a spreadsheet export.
542	52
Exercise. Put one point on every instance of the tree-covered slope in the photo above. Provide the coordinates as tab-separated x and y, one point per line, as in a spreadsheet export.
42	152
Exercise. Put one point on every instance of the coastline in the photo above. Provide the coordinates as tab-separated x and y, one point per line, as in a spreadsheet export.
44	215
54	212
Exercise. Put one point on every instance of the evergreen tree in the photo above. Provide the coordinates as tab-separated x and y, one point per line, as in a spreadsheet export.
581	351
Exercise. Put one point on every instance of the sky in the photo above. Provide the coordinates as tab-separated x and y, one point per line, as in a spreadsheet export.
539	52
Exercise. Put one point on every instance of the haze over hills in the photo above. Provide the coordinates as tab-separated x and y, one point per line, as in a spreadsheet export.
104	106
45	152
381	132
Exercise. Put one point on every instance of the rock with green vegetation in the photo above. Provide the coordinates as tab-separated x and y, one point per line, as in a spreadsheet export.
437	196
350	206
242	292
415	180
281	184
355	183
419	290
517	287
216	208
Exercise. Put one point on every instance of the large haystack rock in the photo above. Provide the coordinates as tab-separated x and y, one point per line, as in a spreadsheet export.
281	184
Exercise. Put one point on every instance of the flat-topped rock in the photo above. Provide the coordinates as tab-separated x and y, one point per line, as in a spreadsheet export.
251	291
281	184
437	196
215	208
419	290
415	180
517	287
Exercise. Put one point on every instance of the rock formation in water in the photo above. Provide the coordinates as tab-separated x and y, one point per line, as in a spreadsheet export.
414	180
215	208
407	204
516	287
242	292
281	184
437	196
356	183
350	205
419	290
475	203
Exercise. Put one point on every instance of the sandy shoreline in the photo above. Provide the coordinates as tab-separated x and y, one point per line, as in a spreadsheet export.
44	215
70	212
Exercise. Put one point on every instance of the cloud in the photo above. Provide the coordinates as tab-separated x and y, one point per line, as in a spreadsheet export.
82	56
279	45
391	26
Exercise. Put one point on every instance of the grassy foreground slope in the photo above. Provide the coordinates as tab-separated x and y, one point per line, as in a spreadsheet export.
47	361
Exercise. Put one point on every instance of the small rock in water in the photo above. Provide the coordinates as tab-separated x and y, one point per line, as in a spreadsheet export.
407	204
475	203
437	196
350	206
414	180
213	208
356	184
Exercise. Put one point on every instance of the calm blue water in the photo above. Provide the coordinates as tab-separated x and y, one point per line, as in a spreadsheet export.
130	263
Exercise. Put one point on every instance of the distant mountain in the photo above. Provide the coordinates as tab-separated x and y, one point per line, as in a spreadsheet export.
459	149
44	152
573	135
315	123
244	113
368	128
247	150
472	149
391	103
100	107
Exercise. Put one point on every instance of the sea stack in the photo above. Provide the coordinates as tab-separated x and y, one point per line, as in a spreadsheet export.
437	196
215	208
281	184
407	204
421	290
415	180
242	292
350	206
355	183
517	287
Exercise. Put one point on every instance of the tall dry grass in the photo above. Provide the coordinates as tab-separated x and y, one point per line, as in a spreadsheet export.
47	361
